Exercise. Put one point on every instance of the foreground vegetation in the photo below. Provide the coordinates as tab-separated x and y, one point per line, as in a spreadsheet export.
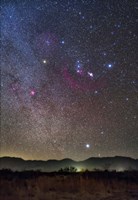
67	184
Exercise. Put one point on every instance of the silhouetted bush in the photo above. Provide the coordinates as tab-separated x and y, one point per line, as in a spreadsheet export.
68	169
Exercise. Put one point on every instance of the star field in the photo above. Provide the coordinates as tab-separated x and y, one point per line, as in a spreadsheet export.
69	83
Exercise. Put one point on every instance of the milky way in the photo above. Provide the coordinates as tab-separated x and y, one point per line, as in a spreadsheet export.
69	79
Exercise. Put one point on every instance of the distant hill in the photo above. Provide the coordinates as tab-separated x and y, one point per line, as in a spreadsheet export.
110	163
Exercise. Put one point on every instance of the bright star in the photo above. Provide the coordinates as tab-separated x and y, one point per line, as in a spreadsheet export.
78	64
32	92
90	74
87	146
44	61
109	65
79	71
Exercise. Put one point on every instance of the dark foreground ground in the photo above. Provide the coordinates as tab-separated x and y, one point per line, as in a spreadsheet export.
68	186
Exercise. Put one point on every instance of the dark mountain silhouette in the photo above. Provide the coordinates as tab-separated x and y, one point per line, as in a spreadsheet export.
110	163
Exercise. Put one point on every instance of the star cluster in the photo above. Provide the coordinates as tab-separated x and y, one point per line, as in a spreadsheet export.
69	79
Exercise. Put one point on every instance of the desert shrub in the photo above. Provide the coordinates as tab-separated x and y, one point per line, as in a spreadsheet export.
70	169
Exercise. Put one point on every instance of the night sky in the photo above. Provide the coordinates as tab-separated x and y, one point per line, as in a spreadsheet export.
69	79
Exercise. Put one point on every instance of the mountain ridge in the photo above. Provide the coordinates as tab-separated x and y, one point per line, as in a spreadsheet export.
106	157
118	163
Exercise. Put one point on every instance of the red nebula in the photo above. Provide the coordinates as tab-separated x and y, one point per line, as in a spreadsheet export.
86	84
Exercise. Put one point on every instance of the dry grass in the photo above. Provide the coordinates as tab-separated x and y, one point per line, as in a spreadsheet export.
68	186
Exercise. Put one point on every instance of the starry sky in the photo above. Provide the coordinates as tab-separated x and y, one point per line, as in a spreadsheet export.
69	84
